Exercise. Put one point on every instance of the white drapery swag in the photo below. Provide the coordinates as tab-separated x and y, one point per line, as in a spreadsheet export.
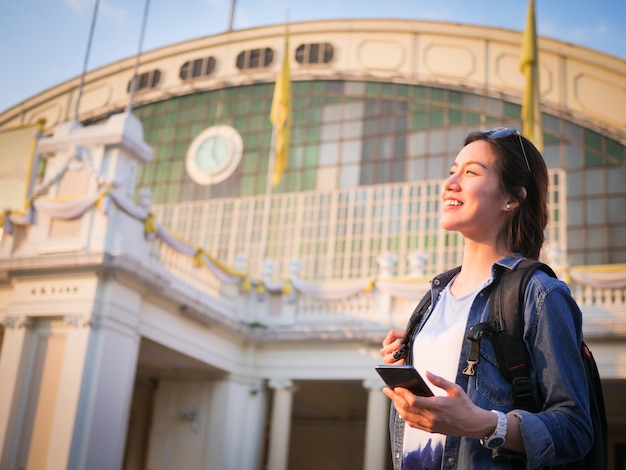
603	280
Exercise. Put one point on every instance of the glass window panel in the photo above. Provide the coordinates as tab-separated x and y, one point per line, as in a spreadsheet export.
592	159
551	123
551	156
334	86
308	180
593	139
596	238
420	92
330	132
328	154
371	107
419	121
348	176
249	162
313	134
297	136
401	124
352	129
383	173
472	101
512	110
331	112
437	94
436	141
456	136
595	211
327	179
455	117
296	157
615	181
310	156
415	169
386	106
417	144
574	213
455	97
257	105
367	174
386	125
617	235
370	127
247	185
573	156
353	110
351	151
397	171
495	106
594	181
436	167
385	148
399	145
314	115
368	149
616	212
614	151
355	88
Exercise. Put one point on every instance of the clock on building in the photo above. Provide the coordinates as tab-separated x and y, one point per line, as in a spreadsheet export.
214	155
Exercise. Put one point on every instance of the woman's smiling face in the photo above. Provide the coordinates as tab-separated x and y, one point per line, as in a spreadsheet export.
473	201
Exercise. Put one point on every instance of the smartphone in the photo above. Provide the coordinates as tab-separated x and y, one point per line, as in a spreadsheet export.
404	376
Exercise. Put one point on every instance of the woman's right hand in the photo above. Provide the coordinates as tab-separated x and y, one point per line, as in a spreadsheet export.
390	345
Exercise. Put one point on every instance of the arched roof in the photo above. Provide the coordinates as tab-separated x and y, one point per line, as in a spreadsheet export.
582	84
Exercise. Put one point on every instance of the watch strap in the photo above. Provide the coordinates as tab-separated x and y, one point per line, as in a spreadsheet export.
498	437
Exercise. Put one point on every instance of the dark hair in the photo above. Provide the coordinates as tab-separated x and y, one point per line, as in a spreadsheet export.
525	232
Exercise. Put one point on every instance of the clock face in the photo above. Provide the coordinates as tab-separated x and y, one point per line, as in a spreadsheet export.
214	155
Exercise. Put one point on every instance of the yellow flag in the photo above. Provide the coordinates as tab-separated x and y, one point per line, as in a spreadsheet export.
529	65
17	154
280	116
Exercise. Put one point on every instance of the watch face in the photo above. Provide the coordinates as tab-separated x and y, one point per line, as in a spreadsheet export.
495	442
214	155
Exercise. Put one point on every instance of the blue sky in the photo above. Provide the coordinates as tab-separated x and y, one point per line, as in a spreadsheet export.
43	42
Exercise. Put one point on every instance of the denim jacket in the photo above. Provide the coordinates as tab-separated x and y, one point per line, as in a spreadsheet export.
562	430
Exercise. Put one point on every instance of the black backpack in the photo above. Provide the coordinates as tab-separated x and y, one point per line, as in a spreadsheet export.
506	326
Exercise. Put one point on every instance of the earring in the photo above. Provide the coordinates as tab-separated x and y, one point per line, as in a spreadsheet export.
508	205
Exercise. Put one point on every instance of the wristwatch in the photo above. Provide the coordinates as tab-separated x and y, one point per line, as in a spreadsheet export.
498	437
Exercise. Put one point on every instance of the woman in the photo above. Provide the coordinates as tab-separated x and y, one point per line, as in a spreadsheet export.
495	197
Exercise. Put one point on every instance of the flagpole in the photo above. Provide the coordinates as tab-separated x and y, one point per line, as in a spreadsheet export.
139	49
267	204
82	76
232	15
280	117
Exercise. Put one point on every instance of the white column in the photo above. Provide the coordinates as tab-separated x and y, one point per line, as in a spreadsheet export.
66	406
13	346
280	425
105	396
237	421
376	428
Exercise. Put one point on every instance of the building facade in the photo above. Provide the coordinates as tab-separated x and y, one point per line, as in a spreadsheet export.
162	309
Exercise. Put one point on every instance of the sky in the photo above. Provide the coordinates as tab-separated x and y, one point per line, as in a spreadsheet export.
44	42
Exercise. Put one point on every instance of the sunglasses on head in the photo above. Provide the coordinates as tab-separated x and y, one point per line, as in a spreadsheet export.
501	132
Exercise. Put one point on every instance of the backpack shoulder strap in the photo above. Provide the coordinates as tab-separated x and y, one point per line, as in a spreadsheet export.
411	327
414	321
506	314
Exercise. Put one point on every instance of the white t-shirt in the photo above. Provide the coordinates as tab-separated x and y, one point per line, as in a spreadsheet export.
437	349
